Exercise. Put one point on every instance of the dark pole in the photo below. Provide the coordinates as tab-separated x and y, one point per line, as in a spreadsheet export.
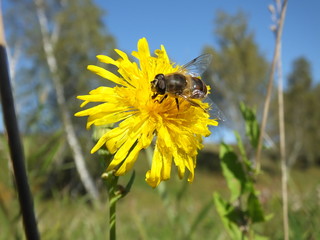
15	145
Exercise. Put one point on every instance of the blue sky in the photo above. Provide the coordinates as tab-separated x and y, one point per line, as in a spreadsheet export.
184	27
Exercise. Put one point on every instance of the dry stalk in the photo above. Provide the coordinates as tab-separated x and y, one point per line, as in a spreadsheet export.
276	63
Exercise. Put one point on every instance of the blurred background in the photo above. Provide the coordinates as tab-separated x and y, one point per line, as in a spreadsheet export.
51	42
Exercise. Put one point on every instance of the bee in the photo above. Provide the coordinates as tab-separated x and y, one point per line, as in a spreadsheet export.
185	83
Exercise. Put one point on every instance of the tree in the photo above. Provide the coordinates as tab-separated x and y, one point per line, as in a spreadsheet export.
300	114
61	38
300	78
239	69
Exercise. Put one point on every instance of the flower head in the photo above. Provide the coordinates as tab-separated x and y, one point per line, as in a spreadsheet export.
177	132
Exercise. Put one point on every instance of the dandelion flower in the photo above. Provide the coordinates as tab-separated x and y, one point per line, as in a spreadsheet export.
178	133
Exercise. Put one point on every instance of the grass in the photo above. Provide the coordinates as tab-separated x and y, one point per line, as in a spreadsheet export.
143	214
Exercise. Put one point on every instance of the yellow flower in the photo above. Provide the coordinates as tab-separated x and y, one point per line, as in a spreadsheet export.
178	133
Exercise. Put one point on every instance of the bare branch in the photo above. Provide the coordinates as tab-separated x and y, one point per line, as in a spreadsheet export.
270	83
283	156
276	63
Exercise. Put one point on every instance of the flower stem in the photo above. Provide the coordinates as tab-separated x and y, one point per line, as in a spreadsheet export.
112	182
112	218
115	192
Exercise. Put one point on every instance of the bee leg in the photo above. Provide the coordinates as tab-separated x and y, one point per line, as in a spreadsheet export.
165	96
196	105
177	102
193	103
154	95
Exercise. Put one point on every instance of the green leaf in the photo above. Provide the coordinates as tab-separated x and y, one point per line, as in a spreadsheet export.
252	126
243	152
233	172
240	145
228	217
129	184
255	211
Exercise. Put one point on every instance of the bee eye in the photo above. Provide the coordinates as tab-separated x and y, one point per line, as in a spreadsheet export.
159	76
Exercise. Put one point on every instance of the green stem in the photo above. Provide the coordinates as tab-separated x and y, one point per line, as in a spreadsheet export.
112	218
115	192
114	196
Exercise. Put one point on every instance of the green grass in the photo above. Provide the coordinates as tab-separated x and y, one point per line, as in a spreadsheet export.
143	214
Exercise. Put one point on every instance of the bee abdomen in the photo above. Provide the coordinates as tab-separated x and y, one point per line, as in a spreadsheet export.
176	83
199	89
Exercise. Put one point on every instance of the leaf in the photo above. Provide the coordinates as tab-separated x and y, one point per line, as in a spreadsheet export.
129	184
255	209
233	171
228	217
243	152
252	126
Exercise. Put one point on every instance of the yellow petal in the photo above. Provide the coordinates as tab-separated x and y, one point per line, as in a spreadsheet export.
179	161
192	165
83	104
105	108
122	54
108	60
133	134
166	165
115	135
153	175
103	118
122	153
101	94
129	161
107	74
147	134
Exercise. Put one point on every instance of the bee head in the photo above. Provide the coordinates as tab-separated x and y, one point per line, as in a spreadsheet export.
158	85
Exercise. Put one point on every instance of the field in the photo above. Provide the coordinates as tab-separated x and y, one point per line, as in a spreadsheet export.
175	210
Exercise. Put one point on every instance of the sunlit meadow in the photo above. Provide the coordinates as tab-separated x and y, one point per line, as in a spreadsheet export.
126	144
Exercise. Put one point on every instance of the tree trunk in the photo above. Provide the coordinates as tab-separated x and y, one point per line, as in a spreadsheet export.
66	120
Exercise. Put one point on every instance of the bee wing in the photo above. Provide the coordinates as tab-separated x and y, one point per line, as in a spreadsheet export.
198	66
215	111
